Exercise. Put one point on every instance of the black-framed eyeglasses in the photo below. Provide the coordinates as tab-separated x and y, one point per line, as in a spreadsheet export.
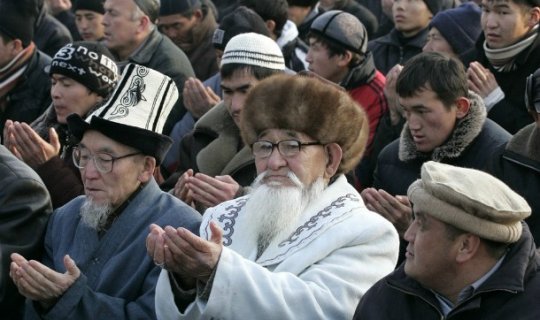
102	161
287	148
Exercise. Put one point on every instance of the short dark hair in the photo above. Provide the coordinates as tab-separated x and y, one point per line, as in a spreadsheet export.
229	69
275	10
5	37
525	3
443	75
334	48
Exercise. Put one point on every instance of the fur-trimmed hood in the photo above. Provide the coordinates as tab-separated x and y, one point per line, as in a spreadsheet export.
466	130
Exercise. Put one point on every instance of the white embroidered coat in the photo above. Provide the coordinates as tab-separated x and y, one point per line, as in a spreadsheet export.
339	250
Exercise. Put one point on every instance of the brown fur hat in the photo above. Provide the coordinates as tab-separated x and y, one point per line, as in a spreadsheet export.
308	105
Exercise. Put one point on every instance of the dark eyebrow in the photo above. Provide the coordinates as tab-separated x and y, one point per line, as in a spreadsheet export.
239	88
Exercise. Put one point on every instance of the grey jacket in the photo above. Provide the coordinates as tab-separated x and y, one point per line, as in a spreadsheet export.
118	278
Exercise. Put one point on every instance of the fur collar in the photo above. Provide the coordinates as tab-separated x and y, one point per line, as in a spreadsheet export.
466	130
526	142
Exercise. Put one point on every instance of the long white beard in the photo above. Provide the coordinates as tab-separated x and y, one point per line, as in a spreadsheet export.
95	215
275	209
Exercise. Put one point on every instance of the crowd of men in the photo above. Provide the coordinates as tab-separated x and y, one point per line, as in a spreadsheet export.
269	159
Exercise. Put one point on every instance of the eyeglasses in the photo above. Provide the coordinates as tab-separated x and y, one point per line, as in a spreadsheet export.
102	161
287	148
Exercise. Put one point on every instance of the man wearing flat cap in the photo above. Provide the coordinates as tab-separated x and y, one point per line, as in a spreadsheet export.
302	244
132	36
95	265
470	255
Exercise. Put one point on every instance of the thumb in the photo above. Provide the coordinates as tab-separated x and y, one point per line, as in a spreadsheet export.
217	233
71	267
54	140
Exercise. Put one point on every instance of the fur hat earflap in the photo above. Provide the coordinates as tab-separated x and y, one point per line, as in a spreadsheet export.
310	106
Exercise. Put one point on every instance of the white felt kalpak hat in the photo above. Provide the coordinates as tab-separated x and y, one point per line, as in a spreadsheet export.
135	113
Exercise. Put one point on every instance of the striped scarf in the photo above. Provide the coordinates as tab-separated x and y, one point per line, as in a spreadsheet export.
503	60
12	72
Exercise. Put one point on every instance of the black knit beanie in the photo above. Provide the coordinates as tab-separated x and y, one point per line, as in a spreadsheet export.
91	5
88	63
302	3
17	19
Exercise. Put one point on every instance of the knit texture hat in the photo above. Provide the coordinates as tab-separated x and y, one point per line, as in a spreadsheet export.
91	5
135	113
439	5
17	19
459	26
253	49
343	28
307	105
89	63
150	8
470	200
169	7
241	20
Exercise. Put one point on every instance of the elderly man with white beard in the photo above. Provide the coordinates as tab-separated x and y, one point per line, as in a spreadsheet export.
95	264
302	244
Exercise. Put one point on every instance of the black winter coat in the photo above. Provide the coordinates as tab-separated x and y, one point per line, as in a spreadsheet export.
32	95
510	293
518	165
511	113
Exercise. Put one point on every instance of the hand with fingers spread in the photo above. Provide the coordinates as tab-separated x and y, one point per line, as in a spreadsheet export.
395	209
184	253
28	146
211	191
198	99
38	282
481	80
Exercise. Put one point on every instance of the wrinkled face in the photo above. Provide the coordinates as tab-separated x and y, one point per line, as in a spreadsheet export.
437	43
116	186
430	122
503	22
89	24
7	52
121	26
411	16
429	252
235	90
178	28
308	165
70	96
322	64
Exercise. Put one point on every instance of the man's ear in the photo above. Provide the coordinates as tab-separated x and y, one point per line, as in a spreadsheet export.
144	23
534	17
271	26
345	59
15	46
463	105
468	246
334	153
148	169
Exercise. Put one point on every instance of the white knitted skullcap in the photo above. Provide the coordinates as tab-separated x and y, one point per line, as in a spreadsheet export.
253	49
